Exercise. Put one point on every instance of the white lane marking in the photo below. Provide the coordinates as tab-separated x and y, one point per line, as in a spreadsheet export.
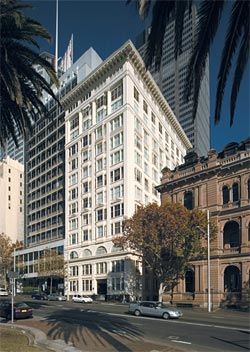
185	342
178	322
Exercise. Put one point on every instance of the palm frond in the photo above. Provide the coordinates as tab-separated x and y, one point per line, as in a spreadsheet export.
241	63
162	11
21	85
180	10
208	18
234	32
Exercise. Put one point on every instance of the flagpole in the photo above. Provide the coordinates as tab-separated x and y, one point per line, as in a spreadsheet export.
56	41
72	49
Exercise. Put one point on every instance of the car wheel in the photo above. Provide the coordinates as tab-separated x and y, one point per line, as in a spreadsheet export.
137	313
165	316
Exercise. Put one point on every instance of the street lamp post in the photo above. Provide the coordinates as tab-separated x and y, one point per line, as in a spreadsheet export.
208	262
208	265
14	280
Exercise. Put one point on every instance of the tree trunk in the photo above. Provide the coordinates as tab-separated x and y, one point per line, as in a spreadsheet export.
51	281
161	291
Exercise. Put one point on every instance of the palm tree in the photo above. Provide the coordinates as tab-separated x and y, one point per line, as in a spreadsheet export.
21	84
208	20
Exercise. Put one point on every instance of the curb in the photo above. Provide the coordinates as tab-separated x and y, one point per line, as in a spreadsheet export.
40	339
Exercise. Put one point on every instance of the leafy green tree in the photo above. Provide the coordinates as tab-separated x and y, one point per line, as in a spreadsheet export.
235	49
52	265
167	237
6	257
21	84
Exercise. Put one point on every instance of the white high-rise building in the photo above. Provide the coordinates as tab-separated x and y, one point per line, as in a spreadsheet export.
11	205
120	133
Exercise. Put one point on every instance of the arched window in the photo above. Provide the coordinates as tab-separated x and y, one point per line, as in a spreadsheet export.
101	250
73	255
189	200
232	279
87	253
225	195
189	281
231	234
235	192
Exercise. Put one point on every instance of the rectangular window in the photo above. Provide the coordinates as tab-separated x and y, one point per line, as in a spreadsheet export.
117	192
87	285
73	239
102	101
136	95
73	270
117	174
101	268
116	157
87	269
138	142
138	159
116	122
116	228
116	140
138	175
73	149
145	107
117	210
86	235
74	123
100	181
101	214
100	231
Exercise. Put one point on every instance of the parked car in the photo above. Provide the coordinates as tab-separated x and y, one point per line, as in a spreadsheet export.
154	309
3	292
82	299
21	310
40	296
56	297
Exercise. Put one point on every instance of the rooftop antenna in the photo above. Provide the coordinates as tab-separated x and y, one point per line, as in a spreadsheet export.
56	41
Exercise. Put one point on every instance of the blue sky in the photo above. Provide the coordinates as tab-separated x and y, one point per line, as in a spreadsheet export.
106	25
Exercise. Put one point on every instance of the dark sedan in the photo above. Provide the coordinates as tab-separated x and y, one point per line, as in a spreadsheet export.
40	296
21	310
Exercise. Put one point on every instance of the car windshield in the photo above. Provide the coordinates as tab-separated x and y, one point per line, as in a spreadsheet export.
163	305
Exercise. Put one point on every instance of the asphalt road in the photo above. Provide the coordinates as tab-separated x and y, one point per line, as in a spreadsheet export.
195	331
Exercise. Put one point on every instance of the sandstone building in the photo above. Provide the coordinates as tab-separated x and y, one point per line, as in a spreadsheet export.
220	183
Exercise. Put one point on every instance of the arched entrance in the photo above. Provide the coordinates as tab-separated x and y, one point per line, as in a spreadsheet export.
232	279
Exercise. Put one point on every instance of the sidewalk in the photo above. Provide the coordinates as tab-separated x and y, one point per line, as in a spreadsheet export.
51	338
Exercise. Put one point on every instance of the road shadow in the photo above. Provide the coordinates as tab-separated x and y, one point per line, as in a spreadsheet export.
92	331
244	344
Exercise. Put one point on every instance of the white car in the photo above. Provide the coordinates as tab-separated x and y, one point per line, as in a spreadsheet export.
82	299
3	292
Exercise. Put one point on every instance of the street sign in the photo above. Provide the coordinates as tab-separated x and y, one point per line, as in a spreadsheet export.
13	275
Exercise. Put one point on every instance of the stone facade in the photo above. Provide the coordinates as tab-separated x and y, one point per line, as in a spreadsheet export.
219	183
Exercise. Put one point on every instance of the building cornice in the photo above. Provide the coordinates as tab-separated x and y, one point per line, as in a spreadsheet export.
129	53
200	174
